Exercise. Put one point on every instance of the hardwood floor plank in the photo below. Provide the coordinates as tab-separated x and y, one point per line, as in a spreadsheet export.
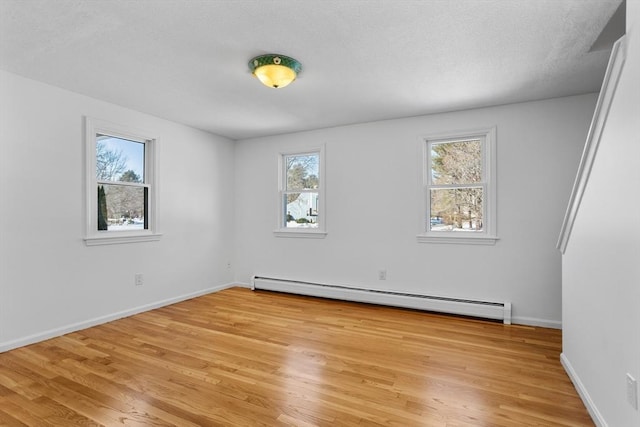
21	414
8	420
244	358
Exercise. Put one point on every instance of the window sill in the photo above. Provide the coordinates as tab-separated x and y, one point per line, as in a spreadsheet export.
109	239
307	234
458	239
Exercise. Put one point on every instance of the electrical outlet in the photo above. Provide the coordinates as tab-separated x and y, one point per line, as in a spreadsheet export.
632	391
228	265
139	279
382	274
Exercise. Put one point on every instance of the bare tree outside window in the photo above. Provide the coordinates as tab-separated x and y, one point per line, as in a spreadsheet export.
121	203
302	173
301	190
110	163
456	199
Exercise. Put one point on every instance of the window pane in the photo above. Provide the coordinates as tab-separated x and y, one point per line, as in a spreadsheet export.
301	210
119	159
122	207
456	209
302	171
456	162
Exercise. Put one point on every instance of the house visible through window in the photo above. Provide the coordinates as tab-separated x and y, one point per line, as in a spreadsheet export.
460	188
121	201
301	195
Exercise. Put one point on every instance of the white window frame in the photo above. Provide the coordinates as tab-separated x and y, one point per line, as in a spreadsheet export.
314	233
94	236
488	236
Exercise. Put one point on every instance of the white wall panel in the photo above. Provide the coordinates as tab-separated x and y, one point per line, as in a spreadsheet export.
373	198
601	269
49	278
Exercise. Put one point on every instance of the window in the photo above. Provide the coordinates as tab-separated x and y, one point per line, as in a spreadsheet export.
459	188
121	192
301	194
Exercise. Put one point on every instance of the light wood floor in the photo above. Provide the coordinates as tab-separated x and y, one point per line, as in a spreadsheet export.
243	358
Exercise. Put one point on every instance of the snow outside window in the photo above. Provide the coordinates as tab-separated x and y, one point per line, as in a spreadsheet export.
459	188
301	194
120	184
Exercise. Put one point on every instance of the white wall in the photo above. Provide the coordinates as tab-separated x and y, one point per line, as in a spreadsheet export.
50	282
373	201
601	265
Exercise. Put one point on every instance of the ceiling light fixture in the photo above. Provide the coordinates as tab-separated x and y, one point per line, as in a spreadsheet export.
274	70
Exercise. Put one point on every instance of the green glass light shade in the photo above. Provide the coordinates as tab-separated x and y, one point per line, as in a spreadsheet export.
274	70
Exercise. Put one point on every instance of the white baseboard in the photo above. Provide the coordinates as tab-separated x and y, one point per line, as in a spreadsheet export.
56	332
582	391
534	321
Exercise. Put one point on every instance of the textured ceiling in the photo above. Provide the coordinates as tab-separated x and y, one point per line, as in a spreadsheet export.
362	60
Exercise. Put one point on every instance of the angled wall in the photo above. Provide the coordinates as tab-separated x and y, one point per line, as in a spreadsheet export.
601	272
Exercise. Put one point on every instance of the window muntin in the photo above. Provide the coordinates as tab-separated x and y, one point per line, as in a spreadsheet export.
301	194
459	188
121	192
456	186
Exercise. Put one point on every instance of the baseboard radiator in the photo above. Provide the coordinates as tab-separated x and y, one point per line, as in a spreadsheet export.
485	309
